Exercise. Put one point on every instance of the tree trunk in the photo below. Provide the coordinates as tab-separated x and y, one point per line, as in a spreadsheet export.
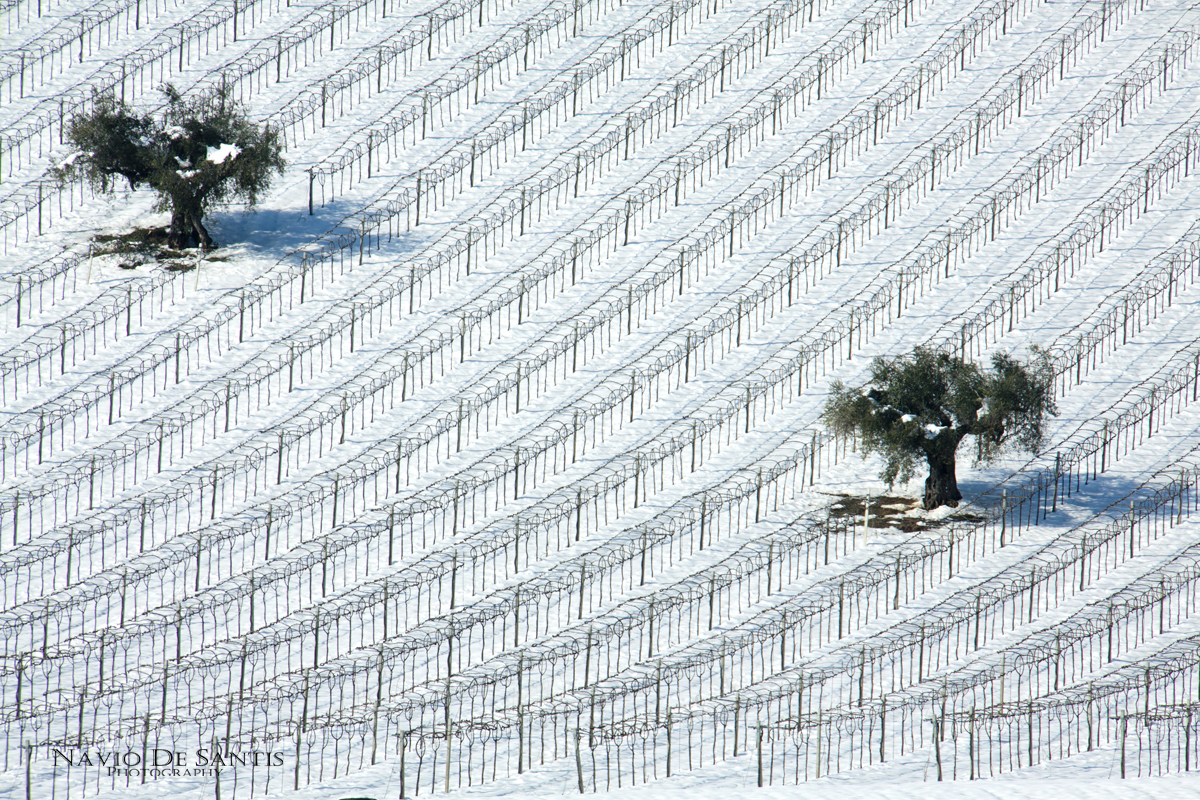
941	487
187	230
181	235
202	233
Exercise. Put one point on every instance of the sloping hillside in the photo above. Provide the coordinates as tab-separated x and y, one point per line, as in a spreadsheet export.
488	451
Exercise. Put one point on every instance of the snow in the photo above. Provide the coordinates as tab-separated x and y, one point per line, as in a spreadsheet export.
164	531
69	160
223	152
1029	789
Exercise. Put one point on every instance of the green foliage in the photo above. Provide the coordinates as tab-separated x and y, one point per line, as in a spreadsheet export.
200	153
919	407
113	141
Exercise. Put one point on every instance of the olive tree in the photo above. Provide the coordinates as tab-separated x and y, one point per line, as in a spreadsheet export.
198	153
921	406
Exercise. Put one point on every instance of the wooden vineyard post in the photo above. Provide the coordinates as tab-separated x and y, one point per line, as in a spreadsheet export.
592	725
937	748
737	714
1057	477
1124	731
385	620
759	742
403	741
392	522
587	660
1090	732
882	727
1187	742
520	717
448	722
1132	529
579	760
1003	515
296	774
971	743
669	741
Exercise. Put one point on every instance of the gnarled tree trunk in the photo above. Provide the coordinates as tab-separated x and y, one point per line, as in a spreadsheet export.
187	230
202	233
941	487
181	236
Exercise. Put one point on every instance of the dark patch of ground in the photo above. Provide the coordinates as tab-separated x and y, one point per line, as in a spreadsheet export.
143	246
891	512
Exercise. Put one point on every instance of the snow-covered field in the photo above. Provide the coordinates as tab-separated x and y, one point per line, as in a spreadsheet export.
486	455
